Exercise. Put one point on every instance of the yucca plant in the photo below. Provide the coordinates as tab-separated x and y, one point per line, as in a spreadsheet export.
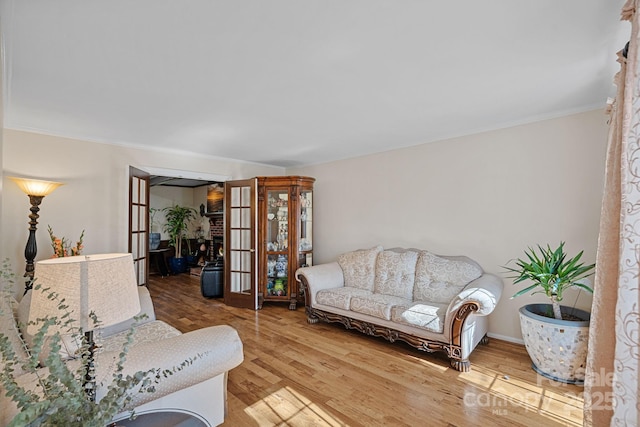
551	274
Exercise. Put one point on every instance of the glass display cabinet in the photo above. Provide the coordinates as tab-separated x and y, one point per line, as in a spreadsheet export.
285	230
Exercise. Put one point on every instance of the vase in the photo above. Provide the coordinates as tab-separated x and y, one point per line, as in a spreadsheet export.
279	289
281	266
271	267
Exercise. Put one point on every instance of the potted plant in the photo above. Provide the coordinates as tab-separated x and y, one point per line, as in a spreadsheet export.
555	336
177	220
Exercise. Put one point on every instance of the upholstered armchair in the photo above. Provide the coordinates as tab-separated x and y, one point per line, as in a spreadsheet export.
198	389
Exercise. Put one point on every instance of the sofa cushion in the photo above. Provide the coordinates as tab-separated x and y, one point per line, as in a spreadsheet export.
358	267
339	297
421	314
395	273
440	279
377	305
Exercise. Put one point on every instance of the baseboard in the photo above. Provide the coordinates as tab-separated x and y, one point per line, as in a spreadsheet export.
505	338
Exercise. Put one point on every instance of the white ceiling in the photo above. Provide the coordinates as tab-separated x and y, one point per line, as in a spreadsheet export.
294	82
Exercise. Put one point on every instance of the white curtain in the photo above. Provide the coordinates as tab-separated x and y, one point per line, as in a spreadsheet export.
611	384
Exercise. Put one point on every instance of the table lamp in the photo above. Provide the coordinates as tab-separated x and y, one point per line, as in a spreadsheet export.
103	284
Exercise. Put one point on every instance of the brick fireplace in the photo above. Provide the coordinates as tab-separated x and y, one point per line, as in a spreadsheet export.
216	227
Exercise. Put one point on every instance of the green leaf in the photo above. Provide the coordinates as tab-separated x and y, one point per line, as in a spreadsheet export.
549	271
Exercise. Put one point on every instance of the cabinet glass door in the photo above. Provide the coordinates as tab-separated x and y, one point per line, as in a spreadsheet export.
306	229
277	243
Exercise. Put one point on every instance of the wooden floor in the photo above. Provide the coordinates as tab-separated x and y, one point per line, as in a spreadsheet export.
297	374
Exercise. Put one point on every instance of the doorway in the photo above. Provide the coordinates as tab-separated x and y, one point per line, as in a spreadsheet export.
169	187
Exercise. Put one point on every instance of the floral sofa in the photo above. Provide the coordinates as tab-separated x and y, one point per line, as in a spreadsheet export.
432	302
198	390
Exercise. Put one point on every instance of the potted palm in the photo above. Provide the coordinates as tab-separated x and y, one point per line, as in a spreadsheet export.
177	221
555	336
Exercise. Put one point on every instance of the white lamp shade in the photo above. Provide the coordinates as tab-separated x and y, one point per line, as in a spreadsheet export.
35	187
104	284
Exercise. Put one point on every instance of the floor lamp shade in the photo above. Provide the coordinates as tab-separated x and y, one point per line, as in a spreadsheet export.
104	284
35	187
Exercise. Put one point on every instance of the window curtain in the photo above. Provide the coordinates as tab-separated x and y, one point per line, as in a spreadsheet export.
611	383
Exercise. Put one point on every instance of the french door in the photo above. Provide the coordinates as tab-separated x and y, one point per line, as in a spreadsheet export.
138	223
240	261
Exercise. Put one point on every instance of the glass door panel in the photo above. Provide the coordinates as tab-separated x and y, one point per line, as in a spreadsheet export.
277	226
277	280
306	227
138	226
277	220
240	243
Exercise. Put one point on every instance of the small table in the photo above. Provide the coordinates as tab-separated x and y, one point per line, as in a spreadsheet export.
162	419
156	257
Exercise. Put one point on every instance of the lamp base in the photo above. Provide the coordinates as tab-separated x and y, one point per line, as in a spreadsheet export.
89	376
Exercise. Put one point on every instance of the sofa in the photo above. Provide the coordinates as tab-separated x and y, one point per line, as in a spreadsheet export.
197	391
431	302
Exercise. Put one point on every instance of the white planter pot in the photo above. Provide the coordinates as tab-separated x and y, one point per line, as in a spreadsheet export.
557	348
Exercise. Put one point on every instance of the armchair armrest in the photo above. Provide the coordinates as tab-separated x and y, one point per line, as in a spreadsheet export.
321	276
214	350
485	292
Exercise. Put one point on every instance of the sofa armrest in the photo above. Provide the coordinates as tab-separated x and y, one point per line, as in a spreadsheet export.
214	350
321	276
485	292
479	298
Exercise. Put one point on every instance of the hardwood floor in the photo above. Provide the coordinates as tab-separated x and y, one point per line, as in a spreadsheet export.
297	374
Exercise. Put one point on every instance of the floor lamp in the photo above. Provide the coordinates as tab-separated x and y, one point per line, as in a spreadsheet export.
36	190
102	285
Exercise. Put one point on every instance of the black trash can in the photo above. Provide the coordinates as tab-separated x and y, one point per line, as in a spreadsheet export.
211	280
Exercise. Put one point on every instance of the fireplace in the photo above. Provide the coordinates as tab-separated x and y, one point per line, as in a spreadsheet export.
216	245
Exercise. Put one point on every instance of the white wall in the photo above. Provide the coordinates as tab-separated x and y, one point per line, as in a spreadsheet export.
487	196
95	194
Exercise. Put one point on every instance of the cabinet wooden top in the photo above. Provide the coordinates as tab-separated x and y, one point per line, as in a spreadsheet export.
285	180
